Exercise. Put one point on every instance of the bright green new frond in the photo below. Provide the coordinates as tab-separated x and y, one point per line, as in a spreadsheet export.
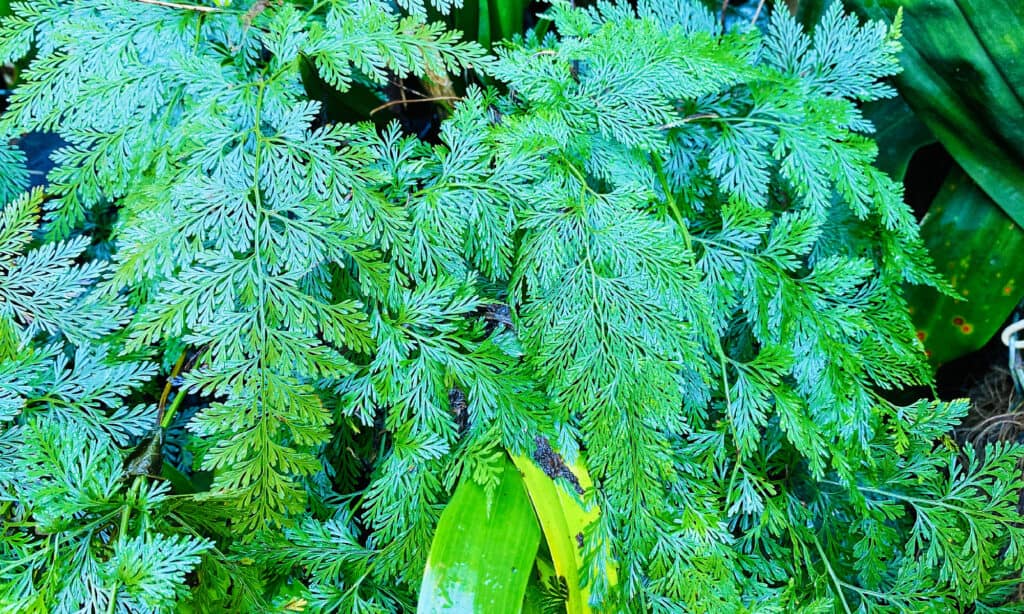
370	37
17	222
337	568
149	571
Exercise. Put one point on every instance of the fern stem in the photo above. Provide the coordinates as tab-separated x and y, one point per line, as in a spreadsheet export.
261	316
863	591
757	13
578	174
173	409
23	560
832	574
393	103
919	502
167	388
723	360
112	602
122	530
686	120
670	199
184	7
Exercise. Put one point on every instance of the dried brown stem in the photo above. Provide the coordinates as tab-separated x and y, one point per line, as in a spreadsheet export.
184	7
397	102
757	13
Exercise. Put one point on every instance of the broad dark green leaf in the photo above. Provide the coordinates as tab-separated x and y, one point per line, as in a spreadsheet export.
482	554
978	248
489	21
963	76
180	482
508	14
898	133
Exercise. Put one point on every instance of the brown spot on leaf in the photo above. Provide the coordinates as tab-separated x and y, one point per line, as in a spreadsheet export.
553	464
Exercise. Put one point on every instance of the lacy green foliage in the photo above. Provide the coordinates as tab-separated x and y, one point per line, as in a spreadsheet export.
97	536
702	268
13	176
338	567
79	533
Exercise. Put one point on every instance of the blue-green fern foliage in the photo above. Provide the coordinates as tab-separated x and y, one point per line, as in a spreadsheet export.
660	246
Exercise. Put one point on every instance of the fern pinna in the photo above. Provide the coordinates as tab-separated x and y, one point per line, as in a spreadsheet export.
701	267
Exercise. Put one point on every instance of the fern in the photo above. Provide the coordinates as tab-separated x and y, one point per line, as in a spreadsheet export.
61	551
13	176
652	244
62	415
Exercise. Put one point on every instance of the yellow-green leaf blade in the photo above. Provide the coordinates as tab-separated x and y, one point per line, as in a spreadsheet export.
564	521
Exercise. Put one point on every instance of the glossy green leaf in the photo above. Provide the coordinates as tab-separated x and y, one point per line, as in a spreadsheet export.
508	14
978	248
489	21
484	24
482	555
963	76
898	133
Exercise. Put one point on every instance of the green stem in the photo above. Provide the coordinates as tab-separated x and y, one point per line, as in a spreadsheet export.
172	409
710	117
863	591
832	574
578	174
675	213
122	530
670	198
112	604
924	503
23	560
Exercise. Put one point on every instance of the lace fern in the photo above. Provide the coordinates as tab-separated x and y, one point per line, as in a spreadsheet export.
648	242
